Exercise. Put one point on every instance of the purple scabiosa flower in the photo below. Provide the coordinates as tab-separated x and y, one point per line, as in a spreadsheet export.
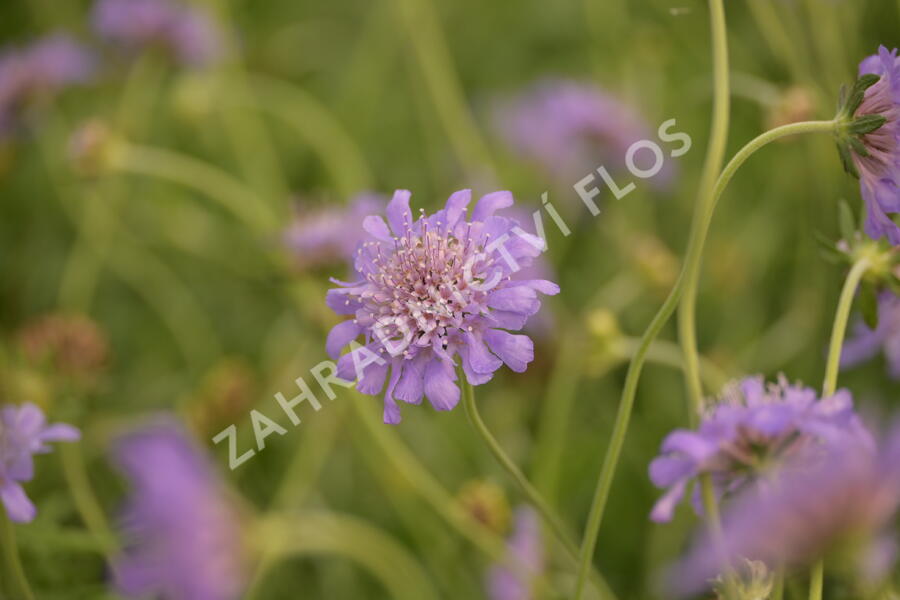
43	67
841	497
866	342
187	33
526	548
23	433
183	536
752	429
431	289
332	233
571	128
879	171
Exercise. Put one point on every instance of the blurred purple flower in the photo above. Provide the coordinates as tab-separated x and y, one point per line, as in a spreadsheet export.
879	172
332	233
183	537
434	288
571	128
524	546
187	32
867	342
751	430
23	433
843	496
43	67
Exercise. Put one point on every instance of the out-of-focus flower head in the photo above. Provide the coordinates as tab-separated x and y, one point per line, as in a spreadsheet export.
24	432
485	502
868	140
795	104
330	234
434	288
182	530
43	67
73	345
526	547
747	435
226	393
839	498
867	342
93	148
572	128
188	33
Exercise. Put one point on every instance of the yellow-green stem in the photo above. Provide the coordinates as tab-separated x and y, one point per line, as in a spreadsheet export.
17	583
832	366
534	497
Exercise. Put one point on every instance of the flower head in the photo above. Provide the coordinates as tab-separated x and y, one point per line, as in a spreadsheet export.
23	433
571	128
182	531
330	234
43	67
73	345
877	158
187	33
431	289
752	430
524	546
841	497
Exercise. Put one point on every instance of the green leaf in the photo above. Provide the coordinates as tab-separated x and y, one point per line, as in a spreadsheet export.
846	159
868	304
866	124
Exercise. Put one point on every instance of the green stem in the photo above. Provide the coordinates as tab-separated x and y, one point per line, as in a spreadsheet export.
547	512
691	268
839	328
699	226
234	196
832	366
18	583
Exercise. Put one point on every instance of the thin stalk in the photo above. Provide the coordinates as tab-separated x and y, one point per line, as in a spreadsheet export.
218	185
534	497
832	366
691	269
15	574
700	225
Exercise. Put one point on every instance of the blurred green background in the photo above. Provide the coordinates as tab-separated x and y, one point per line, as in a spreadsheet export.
322	100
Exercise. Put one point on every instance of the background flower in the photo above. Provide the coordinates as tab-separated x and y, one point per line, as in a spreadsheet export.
525	546
183	536
23	433
752	430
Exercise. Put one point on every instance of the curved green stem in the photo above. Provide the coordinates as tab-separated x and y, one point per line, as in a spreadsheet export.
534	497
15	574
234	196
832	366
699	226
839	328
342	535
691	268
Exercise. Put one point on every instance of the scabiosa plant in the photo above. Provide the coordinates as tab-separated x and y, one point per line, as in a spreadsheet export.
44	67
330	234
869	144
841	498
187	33
24	432
570	128
434	288
183	536
751	430
524	546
